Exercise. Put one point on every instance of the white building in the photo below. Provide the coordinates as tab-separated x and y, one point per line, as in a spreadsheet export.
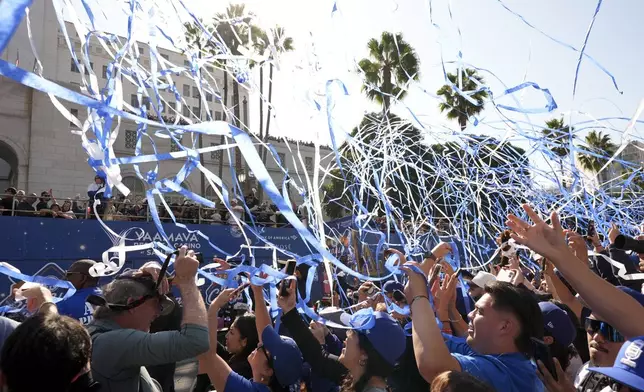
609	178
39	152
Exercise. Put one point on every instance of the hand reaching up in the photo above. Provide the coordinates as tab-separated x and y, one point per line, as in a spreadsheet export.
541	237
287	302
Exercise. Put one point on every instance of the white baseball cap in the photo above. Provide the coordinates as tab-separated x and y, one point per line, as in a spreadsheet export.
482	278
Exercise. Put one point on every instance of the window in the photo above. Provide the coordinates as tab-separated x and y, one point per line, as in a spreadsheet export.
105	72
186	90
146	103
208	97
141	49
134	101
130	139
215	155
74	113
308	163
210	112
195	111
218	115
282	157
135	186
195	92
74	68
174	146
186	111
165	56
186	63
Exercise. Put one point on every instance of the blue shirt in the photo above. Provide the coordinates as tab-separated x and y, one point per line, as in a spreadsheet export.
505	372
76	306
237	383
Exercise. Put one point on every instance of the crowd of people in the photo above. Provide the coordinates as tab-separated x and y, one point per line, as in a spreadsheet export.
575	324
120	208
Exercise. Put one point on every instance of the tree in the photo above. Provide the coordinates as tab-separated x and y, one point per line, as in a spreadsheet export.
455	105
197	39
234	28
559	136
392	63
281	43
600	149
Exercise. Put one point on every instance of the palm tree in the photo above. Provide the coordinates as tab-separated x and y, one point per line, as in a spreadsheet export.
456	106
282	44
392	63
600	149
197	39
559	137
232	26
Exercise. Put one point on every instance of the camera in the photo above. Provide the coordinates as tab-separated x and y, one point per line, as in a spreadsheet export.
627	243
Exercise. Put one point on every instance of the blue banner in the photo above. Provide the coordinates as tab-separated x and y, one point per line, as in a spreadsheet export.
47	246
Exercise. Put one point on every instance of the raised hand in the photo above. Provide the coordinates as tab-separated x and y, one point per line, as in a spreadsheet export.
613	233
577	245
417	284
542	238
153	269
185	266
287	302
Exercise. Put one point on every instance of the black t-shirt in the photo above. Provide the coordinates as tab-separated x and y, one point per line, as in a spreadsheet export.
6	203
24	209
42	206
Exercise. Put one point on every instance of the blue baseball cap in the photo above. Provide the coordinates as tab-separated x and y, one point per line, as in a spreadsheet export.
387	337
628	368
392	286
557	323
286	356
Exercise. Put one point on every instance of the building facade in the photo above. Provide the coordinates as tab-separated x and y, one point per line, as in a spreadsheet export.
40	149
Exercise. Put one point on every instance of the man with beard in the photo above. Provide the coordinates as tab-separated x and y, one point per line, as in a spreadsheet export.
604	343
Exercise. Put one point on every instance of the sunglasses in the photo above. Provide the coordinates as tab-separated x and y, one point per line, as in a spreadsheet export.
268	357
606	330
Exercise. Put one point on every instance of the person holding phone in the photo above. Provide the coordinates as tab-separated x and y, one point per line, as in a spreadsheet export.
276	362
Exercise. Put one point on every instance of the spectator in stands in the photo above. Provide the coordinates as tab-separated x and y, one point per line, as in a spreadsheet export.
6	203
26	205
77	306
237	211
43	204
95	191
66	210
122	344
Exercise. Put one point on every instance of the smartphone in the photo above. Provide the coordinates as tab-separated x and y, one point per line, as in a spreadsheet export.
542	353
290	270
505	275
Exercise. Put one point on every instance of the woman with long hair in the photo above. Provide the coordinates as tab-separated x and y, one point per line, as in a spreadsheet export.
369	355
241	340
276	362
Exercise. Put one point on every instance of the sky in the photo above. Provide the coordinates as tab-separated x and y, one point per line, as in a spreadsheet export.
328	44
